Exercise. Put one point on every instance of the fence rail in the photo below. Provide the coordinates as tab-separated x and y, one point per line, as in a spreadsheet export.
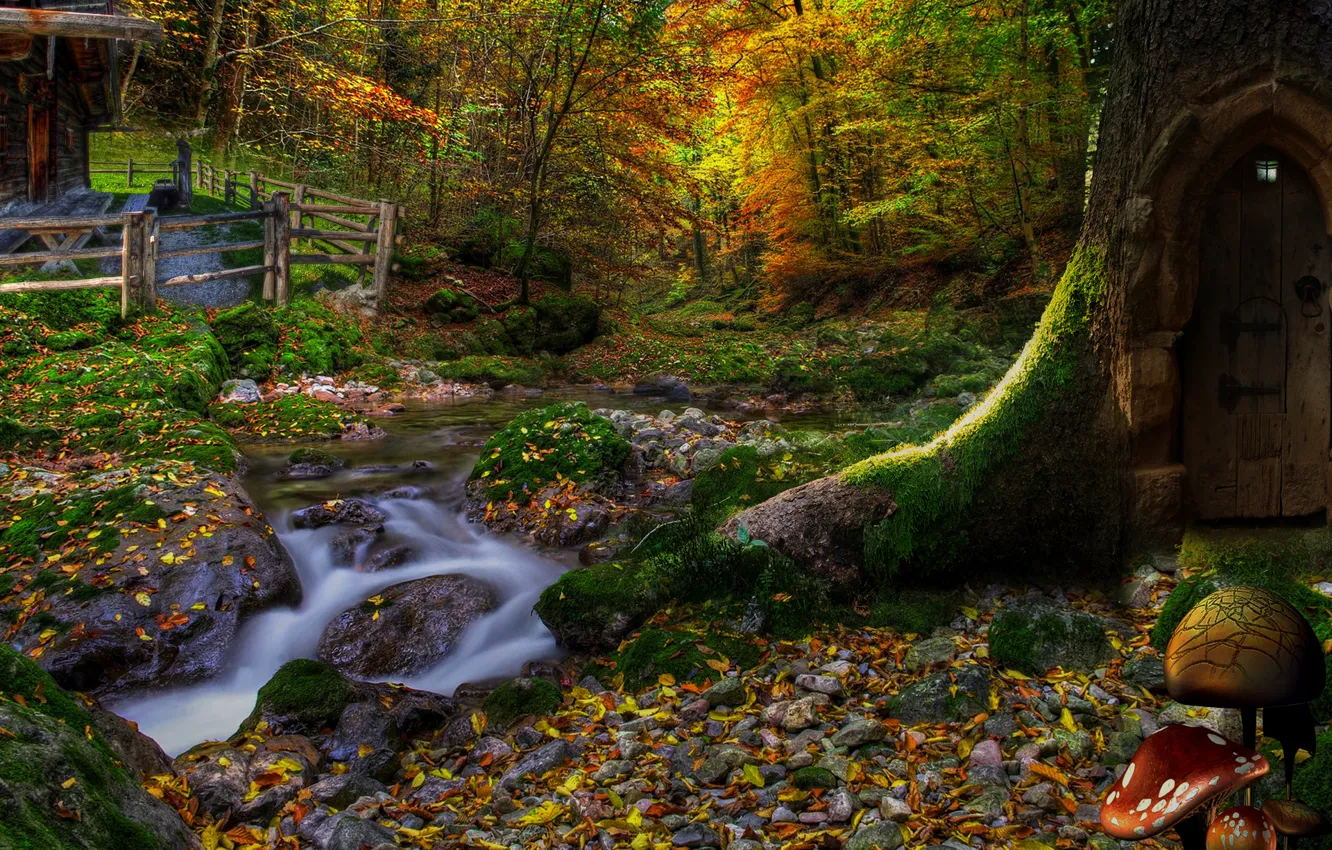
129	168
368	245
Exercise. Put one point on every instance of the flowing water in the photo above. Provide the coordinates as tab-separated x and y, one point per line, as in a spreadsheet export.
496	646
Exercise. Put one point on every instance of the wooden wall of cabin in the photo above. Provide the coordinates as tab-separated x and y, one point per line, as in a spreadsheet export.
67	150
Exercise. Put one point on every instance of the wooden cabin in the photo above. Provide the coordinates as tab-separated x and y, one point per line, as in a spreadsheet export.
59	80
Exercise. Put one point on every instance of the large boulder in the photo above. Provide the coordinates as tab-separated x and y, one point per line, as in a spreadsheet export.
1033	634
407	627
172	612
943	697
60	784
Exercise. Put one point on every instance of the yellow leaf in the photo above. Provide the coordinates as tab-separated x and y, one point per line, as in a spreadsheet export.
339	768
970	613
419	780
210	836
47	634
223	761
478	723
543	814
1066	720
364	750
69	783
666	679
721	665
143	599
198	606
635	817
753	777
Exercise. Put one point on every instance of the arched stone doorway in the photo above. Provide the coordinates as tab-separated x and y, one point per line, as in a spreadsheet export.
1255	363
1166	221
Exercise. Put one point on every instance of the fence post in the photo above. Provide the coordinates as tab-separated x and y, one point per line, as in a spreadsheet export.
228	187
131	256
254	189
129	172
148	282
383	250
282	247
270	249
199	167
297	217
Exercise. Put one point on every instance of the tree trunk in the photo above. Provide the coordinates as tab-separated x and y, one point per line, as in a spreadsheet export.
1072	460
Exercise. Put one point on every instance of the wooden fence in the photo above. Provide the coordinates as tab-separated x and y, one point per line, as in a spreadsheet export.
129	168
140	248
344	227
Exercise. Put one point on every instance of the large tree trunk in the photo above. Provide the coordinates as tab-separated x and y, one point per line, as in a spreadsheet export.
1074	458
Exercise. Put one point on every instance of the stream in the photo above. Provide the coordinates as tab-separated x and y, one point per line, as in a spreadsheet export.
449	437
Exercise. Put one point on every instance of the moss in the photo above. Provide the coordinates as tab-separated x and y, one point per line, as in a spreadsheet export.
519	698
291	417
683	654
70	341
319	457
937	485
16	435
308	694
316	341
582	602
809	778
495	371
25	678
914	610
736	482
249	336
561	442
64	310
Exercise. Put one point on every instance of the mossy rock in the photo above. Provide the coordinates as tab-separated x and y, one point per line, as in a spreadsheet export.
561	442
809	778
1033	637
914	610
70	341
316	341
564	322
313	456
593	608
519	698
50	740
737	481
304	696
441	301
15	435
249	335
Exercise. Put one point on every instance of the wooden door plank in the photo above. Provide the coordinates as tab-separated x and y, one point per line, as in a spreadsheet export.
1260	438
1259	359
1304	251
1207	433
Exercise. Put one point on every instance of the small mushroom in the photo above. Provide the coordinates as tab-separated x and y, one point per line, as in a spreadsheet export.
1295	819
1241	828
1175	772
1246	648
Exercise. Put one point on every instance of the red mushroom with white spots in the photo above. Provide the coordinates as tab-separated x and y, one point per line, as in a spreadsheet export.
1175	772
1241	828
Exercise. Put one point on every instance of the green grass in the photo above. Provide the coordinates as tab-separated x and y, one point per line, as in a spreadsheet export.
518	698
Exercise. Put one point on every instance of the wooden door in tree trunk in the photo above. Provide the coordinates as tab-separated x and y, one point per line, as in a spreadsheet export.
39	153
1256	364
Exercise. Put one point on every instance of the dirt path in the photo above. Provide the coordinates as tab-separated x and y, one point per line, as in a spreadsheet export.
226	292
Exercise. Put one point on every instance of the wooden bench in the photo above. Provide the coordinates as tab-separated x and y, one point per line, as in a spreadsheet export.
78	204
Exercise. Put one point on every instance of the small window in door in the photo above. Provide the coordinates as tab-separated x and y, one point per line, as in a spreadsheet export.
1267	170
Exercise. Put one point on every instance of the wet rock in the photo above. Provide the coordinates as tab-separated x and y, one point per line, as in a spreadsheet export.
1146	672
338	512
820	684
305	472
584	521
418	623
365	724
666	386
237	571
355	834
859	731
344	547
730	690
339	792
387	559
1036	633
1223	721
140	755
696	835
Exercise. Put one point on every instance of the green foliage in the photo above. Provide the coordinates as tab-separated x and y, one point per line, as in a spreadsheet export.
792	376
249	336
1312	784
309	694
519	698
316	341
63	310
70	340
454	305
936	485
914	610
736	482
1016	638
564	441
291	417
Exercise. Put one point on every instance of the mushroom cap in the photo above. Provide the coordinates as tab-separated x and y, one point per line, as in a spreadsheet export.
1244	647
1293	818
1241	828
1175	772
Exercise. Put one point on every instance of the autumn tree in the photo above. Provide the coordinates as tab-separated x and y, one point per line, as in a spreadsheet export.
1075	455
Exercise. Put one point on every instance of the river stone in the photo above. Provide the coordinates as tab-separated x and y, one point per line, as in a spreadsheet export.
343	547
932	699
538	762
352	833
730	691
387	559
929	652
858	732
667	386
338	512
239	391
879	836
363	724
238	570
419	623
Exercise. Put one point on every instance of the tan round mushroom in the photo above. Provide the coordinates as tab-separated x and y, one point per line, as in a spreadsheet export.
1175	772
1244	647
1241	828
1295	819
